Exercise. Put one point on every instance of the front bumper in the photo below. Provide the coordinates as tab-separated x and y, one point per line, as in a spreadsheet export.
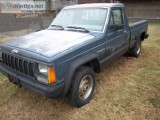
52	91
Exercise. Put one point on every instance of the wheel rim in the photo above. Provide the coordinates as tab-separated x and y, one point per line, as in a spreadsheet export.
139	49
85	87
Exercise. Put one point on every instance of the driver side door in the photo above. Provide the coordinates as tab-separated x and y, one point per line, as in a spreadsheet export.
116	35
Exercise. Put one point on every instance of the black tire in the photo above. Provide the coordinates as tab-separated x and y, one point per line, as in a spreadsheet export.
136	50
76	97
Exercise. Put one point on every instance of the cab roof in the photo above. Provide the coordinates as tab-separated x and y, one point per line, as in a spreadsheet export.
96	5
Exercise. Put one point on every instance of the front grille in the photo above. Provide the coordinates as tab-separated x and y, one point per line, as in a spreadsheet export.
18	64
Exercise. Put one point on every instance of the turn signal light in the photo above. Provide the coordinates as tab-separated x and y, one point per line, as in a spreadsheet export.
51	75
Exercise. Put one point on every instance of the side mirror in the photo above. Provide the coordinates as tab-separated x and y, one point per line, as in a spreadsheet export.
117	27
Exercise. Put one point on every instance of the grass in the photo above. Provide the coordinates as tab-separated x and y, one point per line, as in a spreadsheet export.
128	89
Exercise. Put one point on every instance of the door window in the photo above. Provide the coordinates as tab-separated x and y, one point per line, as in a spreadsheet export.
116	19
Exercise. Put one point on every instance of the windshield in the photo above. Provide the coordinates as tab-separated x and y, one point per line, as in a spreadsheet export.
89	18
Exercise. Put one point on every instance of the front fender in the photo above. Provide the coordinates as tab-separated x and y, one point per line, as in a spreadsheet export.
72	69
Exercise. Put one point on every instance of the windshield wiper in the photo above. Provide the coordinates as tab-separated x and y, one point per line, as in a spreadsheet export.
57	27
78	28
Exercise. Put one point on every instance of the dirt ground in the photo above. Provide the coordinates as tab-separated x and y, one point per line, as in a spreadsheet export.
128	89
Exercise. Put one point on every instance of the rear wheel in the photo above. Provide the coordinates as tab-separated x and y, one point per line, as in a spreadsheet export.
136	50
82	88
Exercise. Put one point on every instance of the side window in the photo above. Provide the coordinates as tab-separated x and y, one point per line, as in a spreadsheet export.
116	19
111	23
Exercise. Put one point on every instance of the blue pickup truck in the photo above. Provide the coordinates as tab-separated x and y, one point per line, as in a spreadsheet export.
63	59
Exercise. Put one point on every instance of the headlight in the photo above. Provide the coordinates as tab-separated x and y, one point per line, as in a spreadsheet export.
47	74
43	69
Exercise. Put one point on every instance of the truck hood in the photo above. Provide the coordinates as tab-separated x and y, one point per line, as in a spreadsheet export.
50	42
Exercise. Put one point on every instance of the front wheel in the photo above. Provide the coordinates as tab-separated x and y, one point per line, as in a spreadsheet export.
82	87
136	50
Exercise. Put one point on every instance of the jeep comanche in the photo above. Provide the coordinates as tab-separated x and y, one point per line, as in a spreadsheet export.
63	59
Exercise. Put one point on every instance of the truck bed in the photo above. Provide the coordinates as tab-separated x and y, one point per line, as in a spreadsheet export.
138	29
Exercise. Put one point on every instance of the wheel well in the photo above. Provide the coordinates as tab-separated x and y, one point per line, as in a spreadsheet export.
94	64
143	36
